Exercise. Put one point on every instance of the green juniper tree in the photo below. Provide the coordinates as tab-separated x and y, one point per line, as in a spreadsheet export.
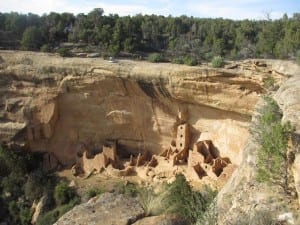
273	137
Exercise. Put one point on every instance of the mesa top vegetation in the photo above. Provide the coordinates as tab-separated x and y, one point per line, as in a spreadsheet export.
175	37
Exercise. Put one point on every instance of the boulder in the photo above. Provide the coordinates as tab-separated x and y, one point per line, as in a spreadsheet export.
106	209
161	220
296	173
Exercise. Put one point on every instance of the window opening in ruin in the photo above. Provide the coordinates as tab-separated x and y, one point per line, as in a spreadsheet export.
173	143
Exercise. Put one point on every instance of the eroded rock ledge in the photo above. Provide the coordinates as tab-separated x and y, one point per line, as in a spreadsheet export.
69	106
243	196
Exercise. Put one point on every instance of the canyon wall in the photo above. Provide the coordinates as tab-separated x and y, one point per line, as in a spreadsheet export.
243	196
69	107
65	106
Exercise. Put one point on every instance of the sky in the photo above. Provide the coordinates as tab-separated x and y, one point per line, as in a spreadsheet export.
232	9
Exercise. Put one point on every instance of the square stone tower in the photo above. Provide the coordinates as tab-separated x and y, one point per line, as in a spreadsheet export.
183	136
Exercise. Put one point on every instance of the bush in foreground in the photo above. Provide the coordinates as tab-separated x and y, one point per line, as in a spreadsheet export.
48	218
177	198
63	194
94	192
183	200
128	189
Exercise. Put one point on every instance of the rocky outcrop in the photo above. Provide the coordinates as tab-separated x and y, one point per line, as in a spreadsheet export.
113	208
243	196
161	220
288	99
106	209
296	174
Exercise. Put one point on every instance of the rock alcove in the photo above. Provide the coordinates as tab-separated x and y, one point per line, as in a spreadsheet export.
151	120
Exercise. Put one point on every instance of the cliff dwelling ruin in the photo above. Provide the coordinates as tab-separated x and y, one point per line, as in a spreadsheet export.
202	162
133	118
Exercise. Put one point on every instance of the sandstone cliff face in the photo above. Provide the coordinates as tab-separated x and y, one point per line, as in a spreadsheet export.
288	99
68	106
242	196
64	106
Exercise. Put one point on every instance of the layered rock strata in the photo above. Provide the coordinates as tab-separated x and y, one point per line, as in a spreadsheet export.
243	196
66	106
